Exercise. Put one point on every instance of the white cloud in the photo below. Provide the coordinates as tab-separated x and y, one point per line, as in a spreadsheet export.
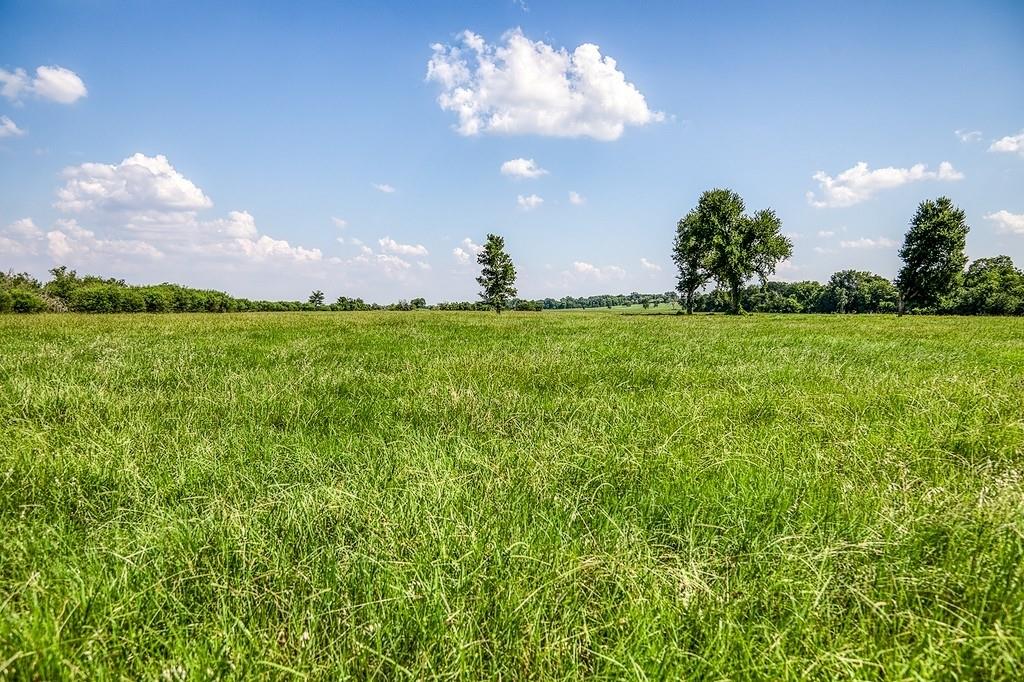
54	83
867	243
24	228
390	245
383	187
146	187
528	203
648	265
70	241
577	199
389	265
9	129
1008	222
823	250
267	248
529	87
522	168
1010	144
826	233
147	208
340	223
592	271
464	253
968	135
858	183
23	239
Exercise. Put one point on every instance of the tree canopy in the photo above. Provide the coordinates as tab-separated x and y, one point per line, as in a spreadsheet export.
497	275
933	254
717	237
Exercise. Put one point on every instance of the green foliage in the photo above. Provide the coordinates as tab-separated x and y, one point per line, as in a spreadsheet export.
735	246
933	254
497	275
992	286
545	497
26	301
316	299
346	303
856	291
690	254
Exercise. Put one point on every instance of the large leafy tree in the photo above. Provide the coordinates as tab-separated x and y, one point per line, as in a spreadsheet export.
933	254
497	274
992	286
316	298
689	254
737	246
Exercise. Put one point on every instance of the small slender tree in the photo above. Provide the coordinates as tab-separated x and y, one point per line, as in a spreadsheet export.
737	246
497	275
689	254
933	254
316	298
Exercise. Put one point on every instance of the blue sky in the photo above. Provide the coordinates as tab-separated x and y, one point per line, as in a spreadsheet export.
215	144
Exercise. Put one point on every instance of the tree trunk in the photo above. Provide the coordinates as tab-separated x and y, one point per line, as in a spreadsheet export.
899	305
735	291
689	302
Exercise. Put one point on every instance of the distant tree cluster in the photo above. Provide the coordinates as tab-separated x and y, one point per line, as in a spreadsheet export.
717	241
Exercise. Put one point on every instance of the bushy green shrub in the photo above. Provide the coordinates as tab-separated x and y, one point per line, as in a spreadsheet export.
25	301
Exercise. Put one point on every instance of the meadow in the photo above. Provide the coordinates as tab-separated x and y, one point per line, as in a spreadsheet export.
525	496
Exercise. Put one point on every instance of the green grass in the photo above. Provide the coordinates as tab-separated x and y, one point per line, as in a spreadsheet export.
463	495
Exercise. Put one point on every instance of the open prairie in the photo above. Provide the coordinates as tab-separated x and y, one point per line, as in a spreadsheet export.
467	495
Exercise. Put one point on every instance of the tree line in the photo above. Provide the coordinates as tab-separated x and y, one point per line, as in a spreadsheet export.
717	243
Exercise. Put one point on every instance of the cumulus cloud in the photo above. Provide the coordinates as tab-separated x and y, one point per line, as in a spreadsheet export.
968	135
826	233
648	265
390	245
592	271
529	202
25	228
859	183
54	83
577	199
388	264
20	238
71	241
1010	144
147	187
867	243
383	187
521	86
466	251
148	208
522	168
340	223
1007	222
9	129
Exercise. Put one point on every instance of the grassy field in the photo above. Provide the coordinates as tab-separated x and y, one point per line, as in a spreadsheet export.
463	495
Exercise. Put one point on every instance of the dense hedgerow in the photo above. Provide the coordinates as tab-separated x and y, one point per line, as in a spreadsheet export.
990	286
